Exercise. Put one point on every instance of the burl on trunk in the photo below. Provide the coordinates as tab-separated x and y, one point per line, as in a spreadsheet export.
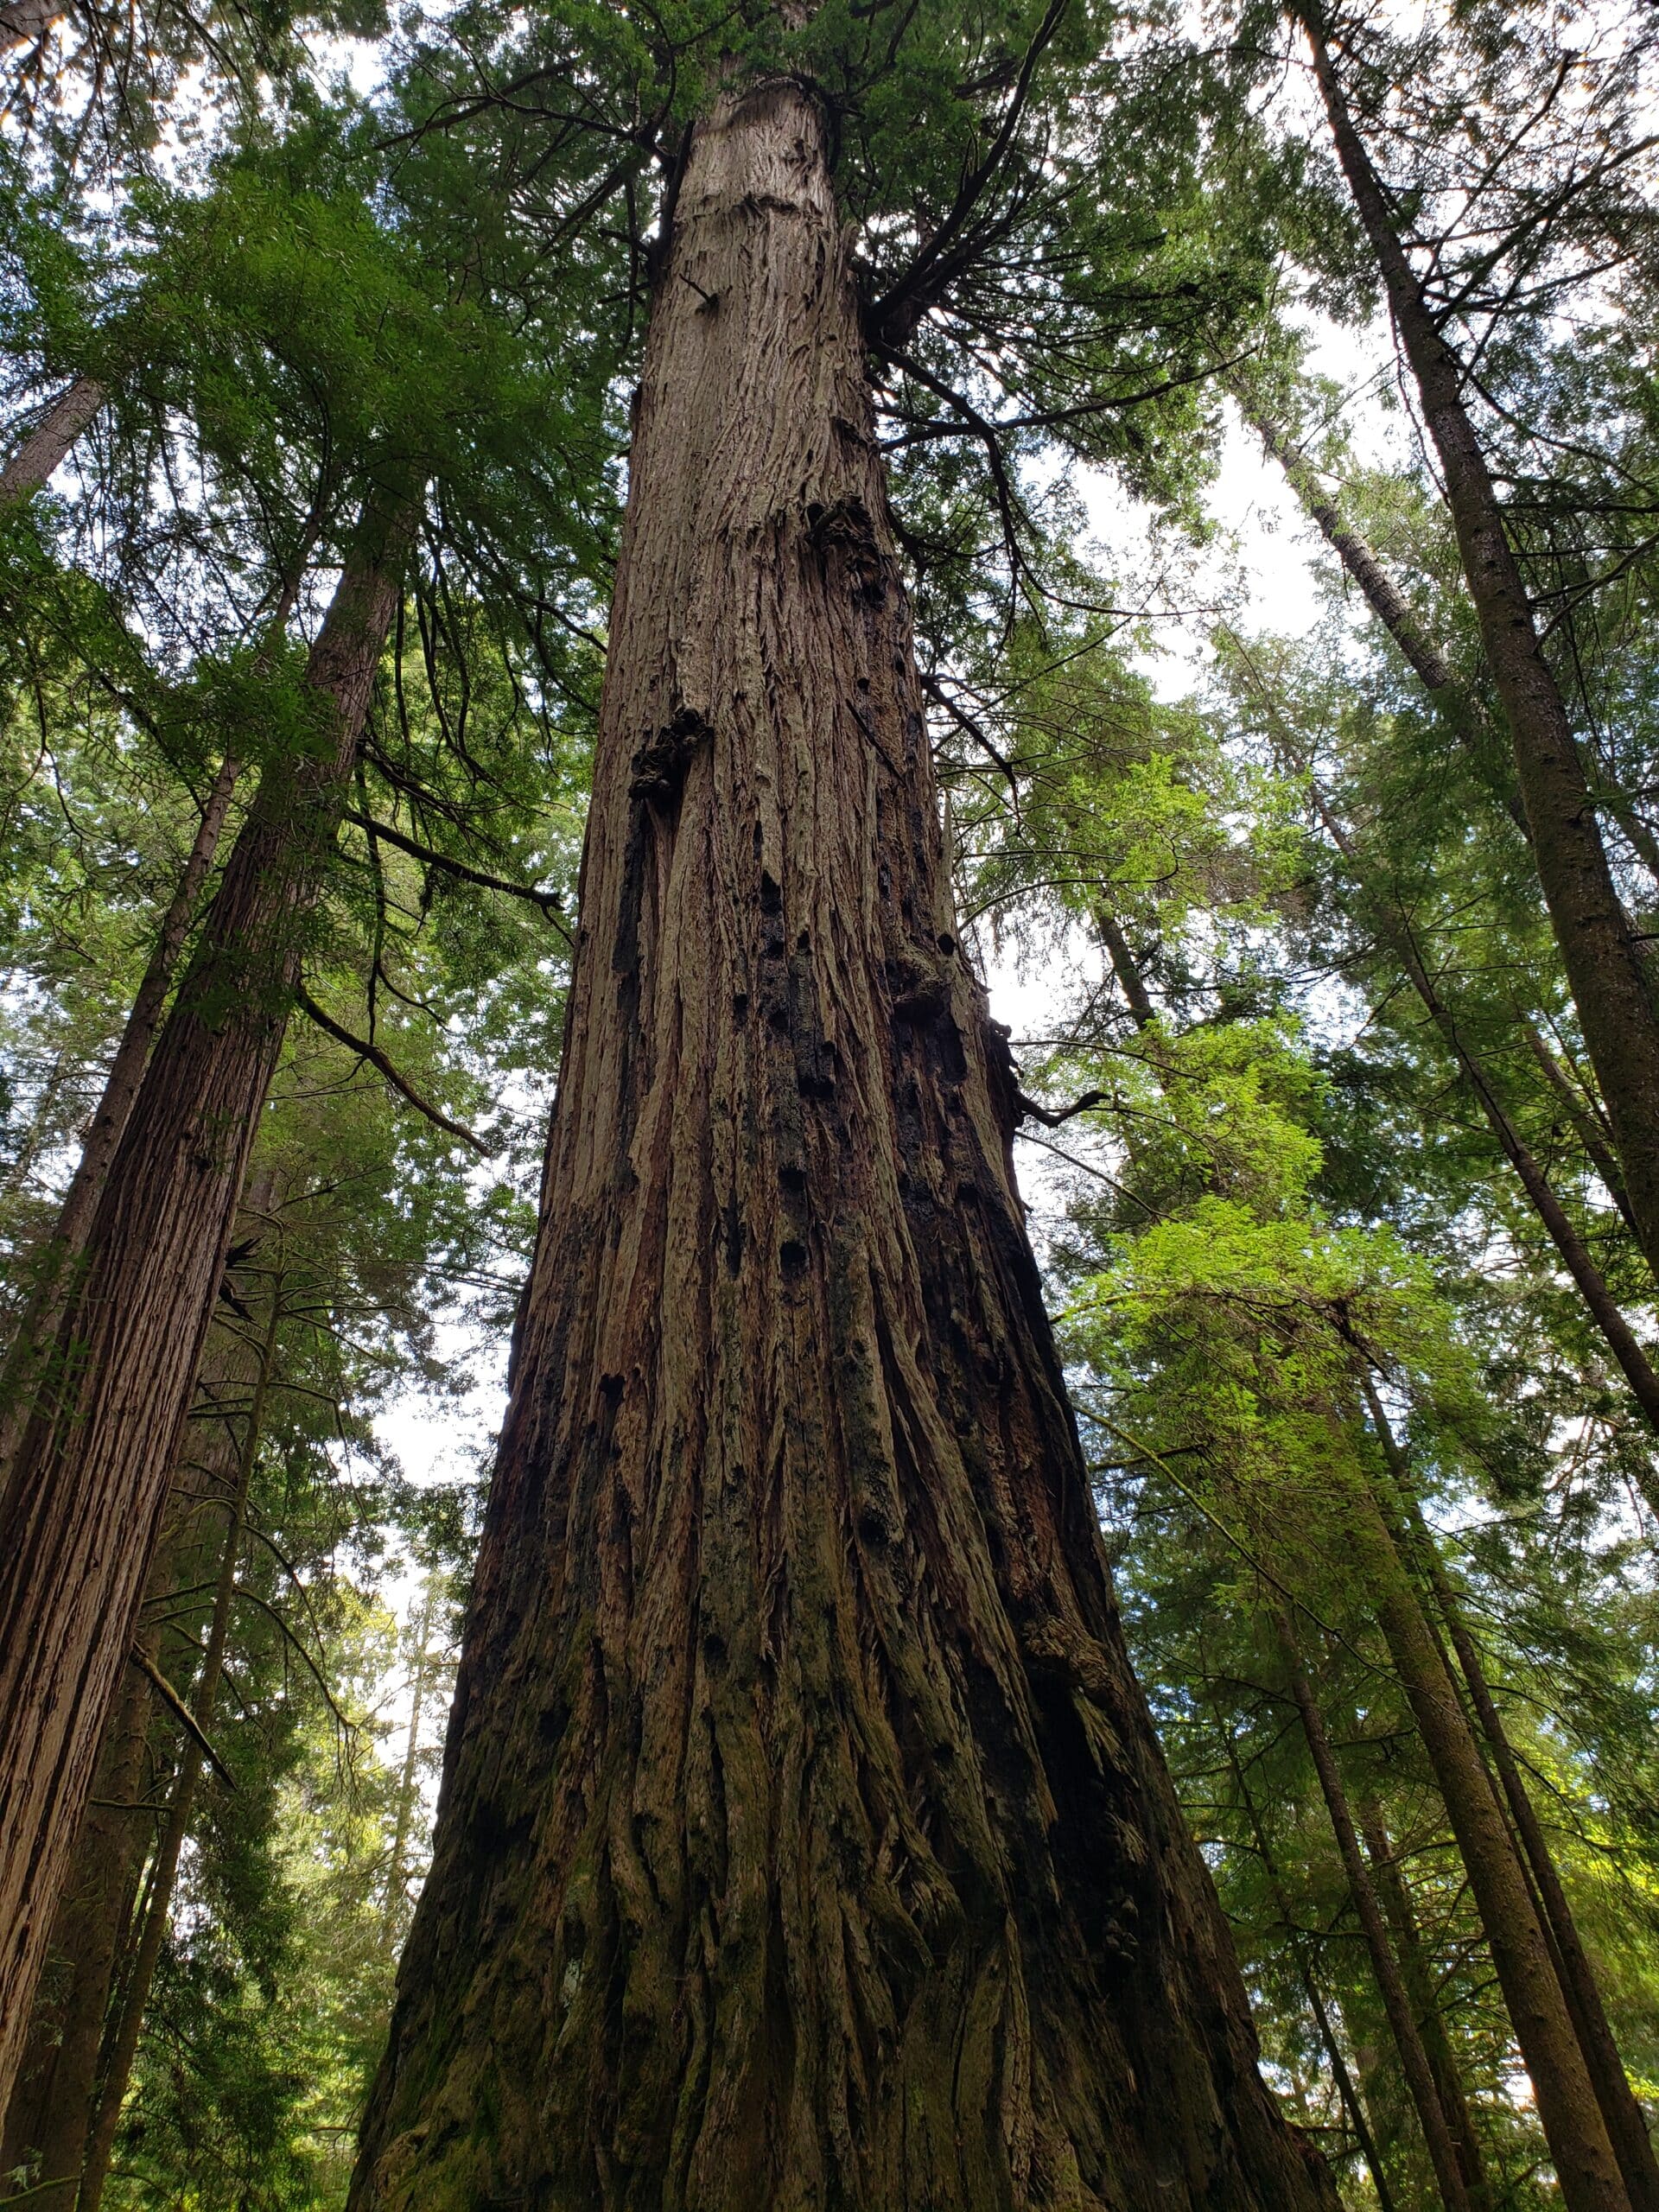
804	1842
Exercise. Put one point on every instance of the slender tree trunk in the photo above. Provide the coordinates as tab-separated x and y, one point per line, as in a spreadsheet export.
49	443
804	1841
1449	2172
1599	952
80	1513
112	2089
1600	1302
54	1265
408	1782
1584	2164
1583	1115
1347	2090
1626	2123
1396	1897
1377	587
1126	969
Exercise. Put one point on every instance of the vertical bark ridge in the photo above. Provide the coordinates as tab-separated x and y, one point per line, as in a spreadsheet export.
803	1840
82	1501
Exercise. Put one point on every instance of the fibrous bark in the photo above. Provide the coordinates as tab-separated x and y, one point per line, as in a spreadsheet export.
83	1500
54	1263
804	1839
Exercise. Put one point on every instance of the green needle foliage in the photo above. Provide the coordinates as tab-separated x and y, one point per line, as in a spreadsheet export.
1298	999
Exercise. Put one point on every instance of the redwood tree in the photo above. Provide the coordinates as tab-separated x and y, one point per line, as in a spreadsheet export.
83	1496
804	1841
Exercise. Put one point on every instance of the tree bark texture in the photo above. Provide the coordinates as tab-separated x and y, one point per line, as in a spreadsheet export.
48	444
1585	2167
135	1997
82	1503
104	1133
47	2122
1599	951
803	1840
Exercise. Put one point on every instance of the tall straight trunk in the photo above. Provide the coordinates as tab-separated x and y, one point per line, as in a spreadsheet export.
1376	586
135	1996
1582	1113
49	443
1599	947
1626	2125
49	2121
1592	1285
1387	603
803	1838
1449	2172
1395	1896
54	1263
408	1780
80	1510
1585	2167
1347	2090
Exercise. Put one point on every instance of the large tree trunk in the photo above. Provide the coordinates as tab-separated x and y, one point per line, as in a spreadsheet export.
54	1263
46	2122
79	1516
803	1841
135	1997
1599	951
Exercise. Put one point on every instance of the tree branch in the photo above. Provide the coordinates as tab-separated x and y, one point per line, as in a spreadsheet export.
378	1060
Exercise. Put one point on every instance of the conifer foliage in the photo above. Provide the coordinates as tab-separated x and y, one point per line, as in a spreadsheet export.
1063	1612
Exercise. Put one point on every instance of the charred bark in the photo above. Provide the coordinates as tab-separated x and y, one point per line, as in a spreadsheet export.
82	1501
804	1839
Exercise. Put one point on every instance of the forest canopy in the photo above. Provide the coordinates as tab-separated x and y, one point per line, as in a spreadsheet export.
828	1106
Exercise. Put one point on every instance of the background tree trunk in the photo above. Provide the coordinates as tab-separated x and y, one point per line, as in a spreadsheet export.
804	1841
1431	2116
48	444
80	1510
1598	948
1585	2167
54	1264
